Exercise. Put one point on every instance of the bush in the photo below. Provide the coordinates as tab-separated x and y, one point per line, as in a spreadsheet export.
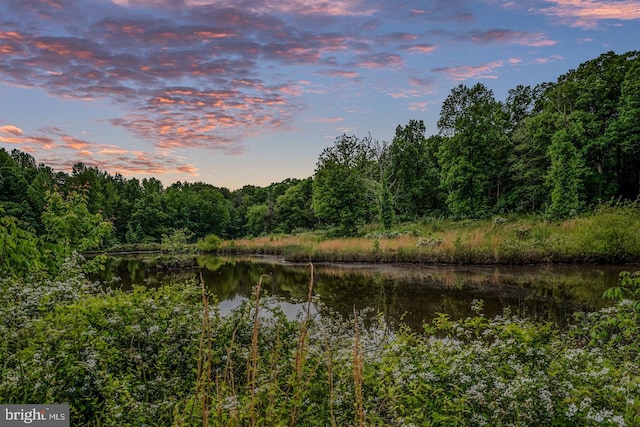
166	357
209	243
177	241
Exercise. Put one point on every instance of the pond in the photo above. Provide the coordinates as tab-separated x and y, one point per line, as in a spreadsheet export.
409	294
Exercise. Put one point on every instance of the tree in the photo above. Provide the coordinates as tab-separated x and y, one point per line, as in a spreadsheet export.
339	185
625	133
71	227
149	215
198	207
13	188
414	170
590	96
563	177
293	208
256	220
21	251
529	163
473	153
378	179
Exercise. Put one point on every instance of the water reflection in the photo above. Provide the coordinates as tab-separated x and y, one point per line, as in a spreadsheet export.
411	294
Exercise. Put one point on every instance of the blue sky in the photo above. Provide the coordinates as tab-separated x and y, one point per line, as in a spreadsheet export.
235	92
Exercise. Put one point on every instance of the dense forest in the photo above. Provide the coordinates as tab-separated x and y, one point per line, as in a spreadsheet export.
557	148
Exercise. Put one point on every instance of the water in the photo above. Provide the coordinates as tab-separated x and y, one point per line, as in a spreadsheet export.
409	294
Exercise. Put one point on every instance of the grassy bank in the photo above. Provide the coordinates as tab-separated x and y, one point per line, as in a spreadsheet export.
165	356
610	234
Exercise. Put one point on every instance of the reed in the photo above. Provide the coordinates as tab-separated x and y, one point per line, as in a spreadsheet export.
360	419
253	358
301	351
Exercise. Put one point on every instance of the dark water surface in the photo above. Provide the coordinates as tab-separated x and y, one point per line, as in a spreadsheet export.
411	294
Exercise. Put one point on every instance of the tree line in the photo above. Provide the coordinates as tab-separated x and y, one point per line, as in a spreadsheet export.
555	148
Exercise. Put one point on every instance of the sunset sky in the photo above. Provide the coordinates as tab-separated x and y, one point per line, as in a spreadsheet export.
234	92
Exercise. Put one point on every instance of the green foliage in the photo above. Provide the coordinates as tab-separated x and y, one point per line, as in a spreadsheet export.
472	156
415	170
293	208
257	220
119	358
177	241
339	184
72	228
199	207
615	329
563	177
166	357
21	251
629	288
386	208
209	243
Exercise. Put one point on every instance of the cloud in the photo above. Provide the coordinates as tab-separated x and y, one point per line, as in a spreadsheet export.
328	119
379	60
418	106
511	37
421	48
10	134
547	60
10	130
62	151
197	78
466	72
588	13
451	10
347	74
427	84
303	7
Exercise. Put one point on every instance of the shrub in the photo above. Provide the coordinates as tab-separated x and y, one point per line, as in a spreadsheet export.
177	241
209	243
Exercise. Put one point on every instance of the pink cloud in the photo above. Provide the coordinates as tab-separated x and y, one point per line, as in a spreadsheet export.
348	74
380	60
302	7
466	72
136	59
418	106
422	48
64	150
589	13
14	135
421	83
328	119
10	130
512	37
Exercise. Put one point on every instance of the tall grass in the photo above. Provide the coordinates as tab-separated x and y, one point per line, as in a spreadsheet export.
608	234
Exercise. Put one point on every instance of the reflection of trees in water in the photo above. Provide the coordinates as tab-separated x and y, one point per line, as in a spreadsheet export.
409	294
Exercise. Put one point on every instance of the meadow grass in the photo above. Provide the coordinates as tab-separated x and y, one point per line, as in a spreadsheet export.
609	234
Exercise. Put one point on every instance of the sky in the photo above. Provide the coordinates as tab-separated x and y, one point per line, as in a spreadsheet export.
238	92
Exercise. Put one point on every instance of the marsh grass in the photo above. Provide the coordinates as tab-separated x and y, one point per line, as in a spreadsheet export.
609	234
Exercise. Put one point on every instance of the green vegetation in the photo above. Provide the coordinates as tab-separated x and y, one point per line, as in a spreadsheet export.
558	150
551	174
609	234
166	357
